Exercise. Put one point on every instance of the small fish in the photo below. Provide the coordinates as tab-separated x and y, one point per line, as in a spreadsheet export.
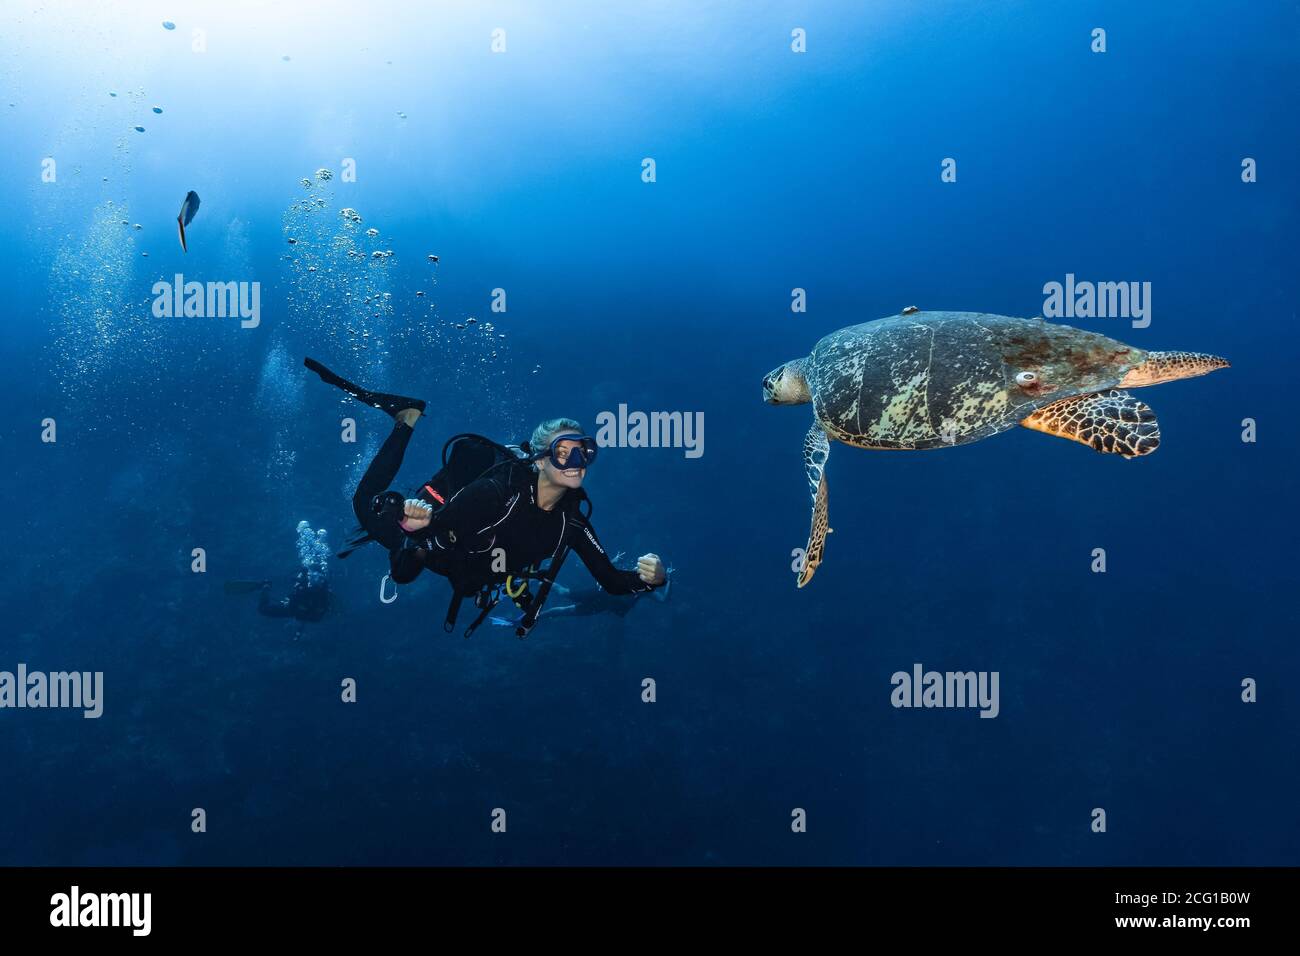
188	208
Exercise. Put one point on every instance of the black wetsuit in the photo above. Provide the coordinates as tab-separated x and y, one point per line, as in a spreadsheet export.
494	520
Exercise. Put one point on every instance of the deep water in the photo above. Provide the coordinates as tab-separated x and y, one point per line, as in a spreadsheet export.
522	171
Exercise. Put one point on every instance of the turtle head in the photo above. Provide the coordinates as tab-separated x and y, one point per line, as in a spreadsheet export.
787	385
1168	366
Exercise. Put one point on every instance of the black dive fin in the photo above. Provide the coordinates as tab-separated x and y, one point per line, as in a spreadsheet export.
392	404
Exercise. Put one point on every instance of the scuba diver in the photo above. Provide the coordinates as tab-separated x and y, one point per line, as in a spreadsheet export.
309	600
500	512
306	602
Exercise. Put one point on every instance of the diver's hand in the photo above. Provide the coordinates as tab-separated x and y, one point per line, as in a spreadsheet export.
651	569
418	515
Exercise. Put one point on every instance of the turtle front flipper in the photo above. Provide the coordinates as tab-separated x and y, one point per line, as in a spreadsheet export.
1111	422
816	449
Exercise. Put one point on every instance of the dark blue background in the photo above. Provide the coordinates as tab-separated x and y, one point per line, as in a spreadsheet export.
775	171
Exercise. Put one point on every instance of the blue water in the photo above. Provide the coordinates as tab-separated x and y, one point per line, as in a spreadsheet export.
522	171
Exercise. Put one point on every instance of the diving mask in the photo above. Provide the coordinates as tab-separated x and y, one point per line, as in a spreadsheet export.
579	456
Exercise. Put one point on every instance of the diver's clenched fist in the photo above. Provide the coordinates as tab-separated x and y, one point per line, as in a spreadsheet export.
418	514
650	569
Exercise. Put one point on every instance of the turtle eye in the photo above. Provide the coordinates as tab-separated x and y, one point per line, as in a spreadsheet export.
1026	378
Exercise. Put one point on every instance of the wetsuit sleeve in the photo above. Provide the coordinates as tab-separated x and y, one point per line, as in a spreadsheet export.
614	581
475	506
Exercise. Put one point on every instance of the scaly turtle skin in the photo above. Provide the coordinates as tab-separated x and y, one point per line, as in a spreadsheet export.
925	380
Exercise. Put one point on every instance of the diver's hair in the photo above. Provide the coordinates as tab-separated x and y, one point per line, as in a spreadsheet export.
544	433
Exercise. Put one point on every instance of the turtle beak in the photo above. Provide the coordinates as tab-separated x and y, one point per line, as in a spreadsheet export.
1168	366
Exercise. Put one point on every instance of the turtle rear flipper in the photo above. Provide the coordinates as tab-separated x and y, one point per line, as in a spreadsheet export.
1111	422
816	449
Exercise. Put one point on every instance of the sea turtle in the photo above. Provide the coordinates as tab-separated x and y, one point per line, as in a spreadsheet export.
932	379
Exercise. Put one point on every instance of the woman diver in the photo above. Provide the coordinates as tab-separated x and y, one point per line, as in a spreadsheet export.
489	529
